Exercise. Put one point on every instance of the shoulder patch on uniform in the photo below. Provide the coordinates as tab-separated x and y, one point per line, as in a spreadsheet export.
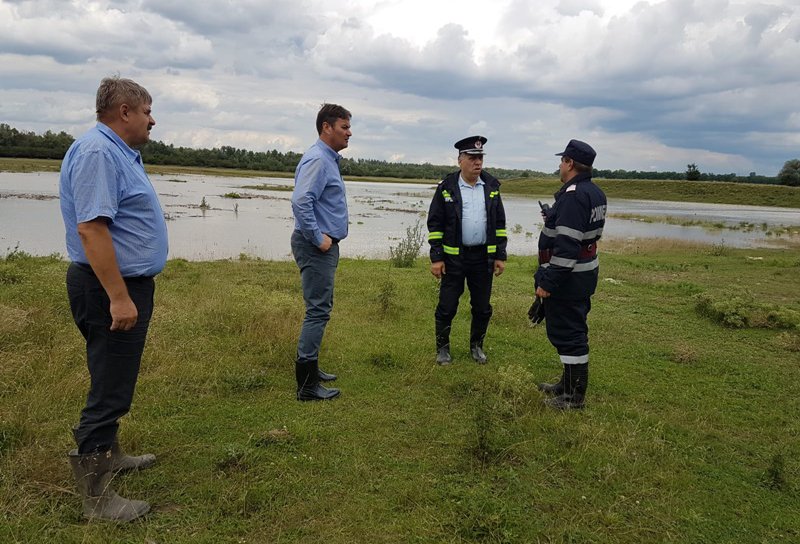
571	188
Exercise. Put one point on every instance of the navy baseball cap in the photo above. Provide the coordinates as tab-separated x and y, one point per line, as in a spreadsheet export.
580	152
471	146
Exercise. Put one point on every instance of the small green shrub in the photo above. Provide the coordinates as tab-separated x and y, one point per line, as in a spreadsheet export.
732	312
9	274
386	295
405	253
719	250
739	313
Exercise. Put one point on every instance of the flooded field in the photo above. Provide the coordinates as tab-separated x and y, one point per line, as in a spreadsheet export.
213	217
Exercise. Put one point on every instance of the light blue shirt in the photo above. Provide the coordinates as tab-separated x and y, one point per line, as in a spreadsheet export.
102	177
473	213
319	201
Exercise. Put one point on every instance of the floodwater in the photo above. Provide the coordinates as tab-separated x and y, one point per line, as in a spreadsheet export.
260	223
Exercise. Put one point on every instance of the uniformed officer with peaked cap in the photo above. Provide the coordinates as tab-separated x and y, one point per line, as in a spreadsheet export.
467	235
568	271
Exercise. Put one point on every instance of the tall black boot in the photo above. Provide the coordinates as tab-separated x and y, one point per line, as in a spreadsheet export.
443	343
554	389
476	336
576	380
308	386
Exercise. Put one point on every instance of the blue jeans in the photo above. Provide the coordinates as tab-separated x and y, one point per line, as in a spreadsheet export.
317	271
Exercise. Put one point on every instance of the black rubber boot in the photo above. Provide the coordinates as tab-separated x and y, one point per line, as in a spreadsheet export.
554	389
324	376
443	343
575	382
476	336
308	386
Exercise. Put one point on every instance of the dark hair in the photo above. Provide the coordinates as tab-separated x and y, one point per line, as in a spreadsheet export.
115	91
329	113
580	167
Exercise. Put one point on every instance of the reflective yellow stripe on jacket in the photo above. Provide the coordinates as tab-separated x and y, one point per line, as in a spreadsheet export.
450	250
435	235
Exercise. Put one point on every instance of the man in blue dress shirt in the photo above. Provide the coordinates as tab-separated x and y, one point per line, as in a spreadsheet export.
467	234
116	238
319	204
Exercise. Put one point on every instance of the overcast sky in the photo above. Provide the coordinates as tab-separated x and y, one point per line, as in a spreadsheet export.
652	85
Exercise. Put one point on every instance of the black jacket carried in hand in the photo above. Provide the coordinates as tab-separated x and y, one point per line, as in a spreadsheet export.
444	221
568	265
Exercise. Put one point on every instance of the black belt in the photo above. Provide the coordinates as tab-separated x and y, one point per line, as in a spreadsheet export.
474	249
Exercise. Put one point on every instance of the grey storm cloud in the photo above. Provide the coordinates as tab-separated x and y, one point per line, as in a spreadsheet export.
713	76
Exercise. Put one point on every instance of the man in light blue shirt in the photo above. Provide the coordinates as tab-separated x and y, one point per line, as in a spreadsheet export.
319	205
116	238
467	234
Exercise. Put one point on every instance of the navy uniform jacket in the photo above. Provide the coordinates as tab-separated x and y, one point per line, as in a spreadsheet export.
568	265
444	221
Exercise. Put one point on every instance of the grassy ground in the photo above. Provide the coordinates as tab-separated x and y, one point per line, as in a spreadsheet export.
690	433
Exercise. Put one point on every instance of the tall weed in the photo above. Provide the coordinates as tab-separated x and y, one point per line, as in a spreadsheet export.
406	251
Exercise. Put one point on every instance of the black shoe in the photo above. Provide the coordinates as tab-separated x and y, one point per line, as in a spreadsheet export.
566	402
324	376
478	355
316	392
443	356
552	389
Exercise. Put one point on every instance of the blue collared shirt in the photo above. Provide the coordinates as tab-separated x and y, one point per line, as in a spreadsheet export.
473	213
319	201
102	177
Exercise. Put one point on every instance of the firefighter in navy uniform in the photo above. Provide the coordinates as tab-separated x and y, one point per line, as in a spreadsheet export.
467	234
568	270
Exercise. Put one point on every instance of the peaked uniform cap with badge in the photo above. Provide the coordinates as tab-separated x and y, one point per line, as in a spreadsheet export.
580	152
473	145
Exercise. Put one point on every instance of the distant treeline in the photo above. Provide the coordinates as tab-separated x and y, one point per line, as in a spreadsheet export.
643	174
156	152
16	143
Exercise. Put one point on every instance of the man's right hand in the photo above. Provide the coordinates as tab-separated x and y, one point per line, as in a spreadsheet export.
326	243
437	269
123	314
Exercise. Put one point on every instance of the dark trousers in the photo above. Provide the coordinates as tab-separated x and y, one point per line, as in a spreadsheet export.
113	357
476	269
567	329
317	274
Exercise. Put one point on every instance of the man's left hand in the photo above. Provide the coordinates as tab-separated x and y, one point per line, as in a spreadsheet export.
499	266
542	293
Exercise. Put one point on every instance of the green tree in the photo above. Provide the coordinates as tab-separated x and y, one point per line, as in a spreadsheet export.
692	173
790	173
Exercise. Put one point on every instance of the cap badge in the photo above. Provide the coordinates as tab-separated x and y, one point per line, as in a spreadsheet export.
478	145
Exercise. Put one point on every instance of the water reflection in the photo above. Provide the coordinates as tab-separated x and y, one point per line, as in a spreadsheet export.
205	225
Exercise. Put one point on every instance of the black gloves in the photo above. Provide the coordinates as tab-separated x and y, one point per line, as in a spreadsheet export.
536	311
